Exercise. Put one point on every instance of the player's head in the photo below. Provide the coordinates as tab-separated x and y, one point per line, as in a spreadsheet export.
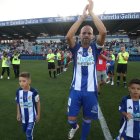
134	88
24	80
86	34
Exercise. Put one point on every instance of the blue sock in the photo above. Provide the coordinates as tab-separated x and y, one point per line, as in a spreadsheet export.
73	124
85	129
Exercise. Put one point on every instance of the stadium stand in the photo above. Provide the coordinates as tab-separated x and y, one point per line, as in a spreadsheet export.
35	36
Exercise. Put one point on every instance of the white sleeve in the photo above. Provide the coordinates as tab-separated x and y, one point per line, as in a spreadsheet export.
37	98
99	47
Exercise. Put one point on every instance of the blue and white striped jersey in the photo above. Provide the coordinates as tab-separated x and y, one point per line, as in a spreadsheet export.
84	72
27	103
130	128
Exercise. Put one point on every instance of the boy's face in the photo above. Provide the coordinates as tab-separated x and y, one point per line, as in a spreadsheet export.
24	82
134	90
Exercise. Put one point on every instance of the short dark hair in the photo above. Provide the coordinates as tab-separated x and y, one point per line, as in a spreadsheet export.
134	81
25	75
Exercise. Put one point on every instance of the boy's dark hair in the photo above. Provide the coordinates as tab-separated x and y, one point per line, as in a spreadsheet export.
134	81
25	75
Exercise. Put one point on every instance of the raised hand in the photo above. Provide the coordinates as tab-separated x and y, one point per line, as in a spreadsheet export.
85	14
90	6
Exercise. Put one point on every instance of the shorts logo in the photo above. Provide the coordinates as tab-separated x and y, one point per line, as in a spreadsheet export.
94	109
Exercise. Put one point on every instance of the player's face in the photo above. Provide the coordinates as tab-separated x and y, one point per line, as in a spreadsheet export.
24	82
134	90
86	34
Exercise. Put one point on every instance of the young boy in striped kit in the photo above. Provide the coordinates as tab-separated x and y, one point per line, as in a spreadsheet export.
130	110
28	105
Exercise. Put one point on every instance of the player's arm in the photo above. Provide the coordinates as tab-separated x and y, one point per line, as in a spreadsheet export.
18	113
38	107
38	111
72	31
99	25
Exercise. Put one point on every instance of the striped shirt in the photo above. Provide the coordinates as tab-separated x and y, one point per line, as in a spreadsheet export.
27	103
131	127
84	72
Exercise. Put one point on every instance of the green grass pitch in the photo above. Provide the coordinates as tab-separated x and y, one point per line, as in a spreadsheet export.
54	94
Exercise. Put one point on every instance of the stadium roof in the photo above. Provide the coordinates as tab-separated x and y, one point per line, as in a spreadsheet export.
123	23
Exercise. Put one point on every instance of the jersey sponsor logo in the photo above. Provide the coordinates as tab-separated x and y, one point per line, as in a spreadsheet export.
85	61
136	116
26	104
85	58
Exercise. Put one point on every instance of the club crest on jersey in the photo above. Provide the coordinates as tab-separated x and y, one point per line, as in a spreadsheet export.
90	49
30	97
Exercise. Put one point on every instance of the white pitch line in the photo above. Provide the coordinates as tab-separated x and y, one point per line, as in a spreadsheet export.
104	126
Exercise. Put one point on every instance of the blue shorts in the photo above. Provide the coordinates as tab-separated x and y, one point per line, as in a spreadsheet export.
28	130
110	70
87	100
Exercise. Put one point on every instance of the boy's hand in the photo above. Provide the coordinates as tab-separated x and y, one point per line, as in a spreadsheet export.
129	116
18	117
37	118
